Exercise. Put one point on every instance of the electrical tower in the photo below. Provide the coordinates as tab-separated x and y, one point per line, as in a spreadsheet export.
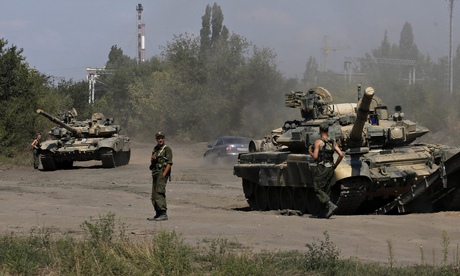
327	50
351	64
140	35
92	74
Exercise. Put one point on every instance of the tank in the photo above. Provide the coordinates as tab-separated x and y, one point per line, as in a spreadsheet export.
384	170
71	140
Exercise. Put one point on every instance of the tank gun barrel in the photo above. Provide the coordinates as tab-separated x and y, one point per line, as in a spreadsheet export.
361	117
57	121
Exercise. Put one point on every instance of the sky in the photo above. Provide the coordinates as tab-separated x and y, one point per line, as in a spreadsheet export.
63	37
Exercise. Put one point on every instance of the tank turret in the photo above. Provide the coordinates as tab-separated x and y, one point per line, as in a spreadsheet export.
373	127
55	120
316	107
97	126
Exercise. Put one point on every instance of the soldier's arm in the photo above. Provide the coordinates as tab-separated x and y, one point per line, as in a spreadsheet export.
340	153
168	157
167	169
34	144
315	151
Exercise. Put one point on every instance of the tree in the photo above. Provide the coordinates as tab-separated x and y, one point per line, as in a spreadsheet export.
22	91
407	47
216	24
385	47
205	32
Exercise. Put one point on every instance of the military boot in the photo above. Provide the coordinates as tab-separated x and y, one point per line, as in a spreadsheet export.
331	207
157	214
163	216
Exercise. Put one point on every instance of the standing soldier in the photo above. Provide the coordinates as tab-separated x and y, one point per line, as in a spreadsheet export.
36	147
323	153
160	166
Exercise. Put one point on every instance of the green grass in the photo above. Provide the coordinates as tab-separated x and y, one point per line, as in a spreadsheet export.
106	250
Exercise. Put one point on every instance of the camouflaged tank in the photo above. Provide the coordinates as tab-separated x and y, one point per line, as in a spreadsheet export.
97	138
384	170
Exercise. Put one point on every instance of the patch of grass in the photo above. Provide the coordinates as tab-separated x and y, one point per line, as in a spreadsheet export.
23	158
106	252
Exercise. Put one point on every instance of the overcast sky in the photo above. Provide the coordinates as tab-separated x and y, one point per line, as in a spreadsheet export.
63	37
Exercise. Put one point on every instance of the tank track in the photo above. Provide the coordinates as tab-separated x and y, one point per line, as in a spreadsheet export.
455	201
47	160
451	202
263	198
111	159
352	195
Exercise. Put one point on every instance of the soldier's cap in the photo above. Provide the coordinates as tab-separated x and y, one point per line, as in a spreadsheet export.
160	134
324	127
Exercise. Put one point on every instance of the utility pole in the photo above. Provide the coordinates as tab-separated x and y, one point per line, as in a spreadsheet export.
140	35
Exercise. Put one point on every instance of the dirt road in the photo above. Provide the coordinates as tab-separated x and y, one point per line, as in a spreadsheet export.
206	202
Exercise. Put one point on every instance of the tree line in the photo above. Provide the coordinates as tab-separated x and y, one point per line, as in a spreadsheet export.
202	87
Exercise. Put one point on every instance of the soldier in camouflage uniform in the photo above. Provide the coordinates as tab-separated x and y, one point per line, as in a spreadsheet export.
36	148
323	153
160	166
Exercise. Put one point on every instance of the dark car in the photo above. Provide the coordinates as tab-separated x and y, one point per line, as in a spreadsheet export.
226	149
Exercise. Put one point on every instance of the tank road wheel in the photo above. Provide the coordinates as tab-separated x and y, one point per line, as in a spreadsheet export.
286	198
273	198
315	207
108	160
262	198
47	160
299	200
249	193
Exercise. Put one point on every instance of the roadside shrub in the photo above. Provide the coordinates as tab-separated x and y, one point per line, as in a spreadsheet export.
322	255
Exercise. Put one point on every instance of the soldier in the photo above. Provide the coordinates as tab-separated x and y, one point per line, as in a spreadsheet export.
160	166
323	153
36	147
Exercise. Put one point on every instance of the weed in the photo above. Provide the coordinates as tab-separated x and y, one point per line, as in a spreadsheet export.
445	247
324	255
101	231
391	254
422	256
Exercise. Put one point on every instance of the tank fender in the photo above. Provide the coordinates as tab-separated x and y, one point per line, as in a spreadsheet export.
50	145
106	143
351	168
115	143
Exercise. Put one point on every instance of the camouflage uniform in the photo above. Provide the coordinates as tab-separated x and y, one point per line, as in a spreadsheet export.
324	171
164	156
36	152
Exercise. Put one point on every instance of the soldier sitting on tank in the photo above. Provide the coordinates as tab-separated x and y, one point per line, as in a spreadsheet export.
323	153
